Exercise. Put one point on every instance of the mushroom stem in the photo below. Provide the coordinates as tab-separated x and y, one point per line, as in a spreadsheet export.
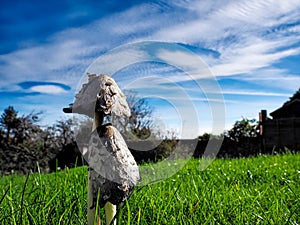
91	212
98	120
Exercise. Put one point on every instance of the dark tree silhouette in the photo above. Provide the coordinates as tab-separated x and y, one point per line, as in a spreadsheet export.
67	153
294	97
139	124
242	130
21	147
9	121
27	128
64	133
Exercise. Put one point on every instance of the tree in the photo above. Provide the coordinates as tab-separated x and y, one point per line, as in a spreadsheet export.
139	124
294	97
9	121
67	153
242	139
23	147
204	138
24	144
2	136
64	133
27	129
243	129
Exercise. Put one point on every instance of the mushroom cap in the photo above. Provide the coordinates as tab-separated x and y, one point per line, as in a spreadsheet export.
101	94
112	167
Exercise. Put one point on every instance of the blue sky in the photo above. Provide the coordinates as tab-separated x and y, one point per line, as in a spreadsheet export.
252	49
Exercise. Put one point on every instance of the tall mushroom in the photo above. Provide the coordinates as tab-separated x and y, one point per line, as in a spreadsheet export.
113	172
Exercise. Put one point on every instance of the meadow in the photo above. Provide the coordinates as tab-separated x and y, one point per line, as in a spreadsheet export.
258	190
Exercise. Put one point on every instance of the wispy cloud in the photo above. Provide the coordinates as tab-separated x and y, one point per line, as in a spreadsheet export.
250	57
240	32
242	40
48	89
254	93
249	35
273	78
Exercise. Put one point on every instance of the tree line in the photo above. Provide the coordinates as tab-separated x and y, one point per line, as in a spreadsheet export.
26	146
242	140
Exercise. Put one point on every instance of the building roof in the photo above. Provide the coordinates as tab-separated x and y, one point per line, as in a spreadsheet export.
289	109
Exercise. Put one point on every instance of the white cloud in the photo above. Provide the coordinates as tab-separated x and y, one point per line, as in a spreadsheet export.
272	78
254	93
116	59
246	63
261	13
237	30
188	62
50	62
250	36
48	89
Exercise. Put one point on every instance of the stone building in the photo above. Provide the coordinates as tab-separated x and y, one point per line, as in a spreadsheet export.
283	129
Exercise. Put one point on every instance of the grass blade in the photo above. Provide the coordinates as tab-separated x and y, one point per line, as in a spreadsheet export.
22	199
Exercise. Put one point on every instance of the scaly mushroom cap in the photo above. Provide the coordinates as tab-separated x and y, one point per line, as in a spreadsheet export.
100	94
112	166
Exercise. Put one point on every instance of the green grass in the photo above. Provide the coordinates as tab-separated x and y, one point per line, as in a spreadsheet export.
261	190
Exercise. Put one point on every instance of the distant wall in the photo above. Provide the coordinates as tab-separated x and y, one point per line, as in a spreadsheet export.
280	133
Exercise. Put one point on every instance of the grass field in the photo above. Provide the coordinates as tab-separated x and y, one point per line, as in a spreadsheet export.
261	190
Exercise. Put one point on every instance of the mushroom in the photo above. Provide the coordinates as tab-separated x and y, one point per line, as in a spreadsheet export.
113	172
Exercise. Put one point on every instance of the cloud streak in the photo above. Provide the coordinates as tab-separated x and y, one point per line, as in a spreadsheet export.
244	41
238	32
243	33
254	93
